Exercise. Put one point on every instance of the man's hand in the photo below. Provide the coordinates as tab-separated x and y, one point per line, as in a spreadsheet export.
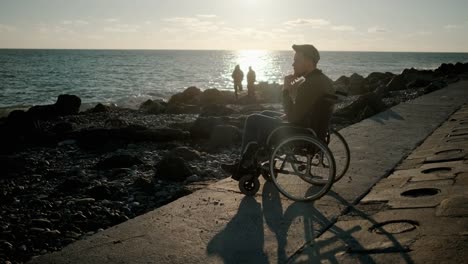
287	83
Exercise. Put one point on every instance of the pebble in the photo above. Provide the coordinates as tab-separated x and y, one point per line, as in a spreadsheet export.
84	200
193	178
41	222
5	245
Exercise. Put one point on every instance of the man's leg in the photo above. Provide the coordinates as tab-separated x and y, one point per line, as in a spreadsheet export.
256	130
235	90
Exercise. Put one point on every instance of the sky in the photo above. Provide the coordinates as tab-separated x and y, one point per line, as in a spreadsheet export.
335	25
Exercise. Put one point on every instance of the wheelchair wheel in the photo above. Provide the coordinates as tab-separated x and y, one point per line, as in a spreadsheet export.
249	185
340	149
297	162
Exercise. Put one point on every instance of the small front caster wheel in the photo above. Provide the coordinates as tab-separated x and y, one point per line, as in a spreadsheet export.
249	185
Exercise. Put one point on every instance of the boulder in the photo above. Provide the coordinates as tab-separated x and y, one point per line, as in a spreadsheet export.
362	107
342	84
188	96
66	105
445	68
100	108
412	74
224	135
172	168
214	96
186	153
153	107
144	184
461	67
357	85
397	83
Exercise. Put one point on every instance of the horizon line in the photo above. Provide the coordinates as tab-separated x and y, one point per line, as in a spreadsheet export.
381	51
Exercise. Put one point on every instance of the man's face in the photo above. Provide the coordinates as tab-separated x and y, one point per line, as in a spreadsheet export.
301	64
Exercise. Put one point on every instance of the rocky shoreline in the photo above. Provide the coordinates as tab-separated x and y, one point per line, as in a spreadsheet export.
65	174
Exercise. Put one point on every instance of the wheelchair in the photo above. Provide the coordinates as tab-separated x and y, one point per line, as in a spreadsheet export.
301	166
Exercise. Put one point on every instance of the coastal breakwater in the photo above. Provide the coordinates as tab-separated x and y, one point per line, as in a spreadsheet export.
68	174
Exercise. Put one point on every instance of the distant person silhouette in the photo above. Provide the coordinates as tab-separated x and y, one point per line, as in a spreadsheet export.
238	77
251	78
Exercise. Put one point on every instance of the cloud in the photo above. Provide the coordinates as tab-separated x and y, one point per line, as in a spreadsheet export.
48	29
376	29
343	28
193	24
75	22
452	26
315	23
111	20
424	33
6	28
207	16
122	28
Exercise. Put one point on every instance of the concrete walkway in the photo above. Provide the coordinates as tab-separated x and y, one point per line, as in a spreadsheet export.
220	225
419	214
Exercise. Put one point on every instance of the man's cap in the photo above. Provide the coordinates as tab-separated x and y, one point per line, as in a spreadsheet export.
308	50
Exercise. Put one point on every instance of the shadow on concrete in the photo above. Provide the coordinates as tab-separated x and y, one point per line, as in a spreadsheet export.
385	116
313	221
363	254
242	240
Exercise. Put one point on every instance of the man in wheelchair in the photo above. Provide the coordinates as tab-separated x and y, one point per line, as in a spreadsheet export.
305	102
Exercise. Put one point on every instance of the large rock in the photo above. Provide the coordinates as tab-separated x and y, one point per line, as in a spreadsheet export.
444	69
224	135
363	107
153	107
377	79
461	67
214	96
411	75
100	108
188	96
172	168
66	105
342	84
397	83
186	153
357	84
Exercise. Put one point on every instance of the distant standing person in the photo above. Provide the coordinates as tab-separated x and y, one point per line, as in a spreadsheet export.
238	77
251	78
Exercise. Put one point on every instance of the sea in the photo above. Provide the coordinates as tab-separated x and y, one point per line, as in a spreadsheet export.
126	78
